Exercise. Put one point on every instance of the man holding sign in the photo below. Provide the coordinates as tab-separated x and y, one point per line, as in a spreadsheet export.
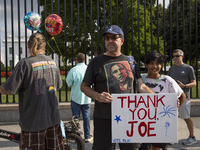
159	84
110	73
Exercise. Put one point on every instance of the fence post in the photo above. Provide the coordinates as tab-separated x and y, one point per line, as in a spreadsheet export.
125	27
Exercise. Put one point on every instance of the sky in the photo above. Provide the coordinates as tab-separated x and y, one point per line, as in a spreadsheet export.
161	2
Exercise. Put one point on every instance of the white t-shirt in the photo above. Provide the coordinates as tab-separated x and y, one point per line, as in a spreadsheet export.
164	84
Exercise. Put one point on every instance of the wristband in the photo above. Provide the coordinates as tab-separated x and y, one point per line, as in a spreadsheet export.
185	85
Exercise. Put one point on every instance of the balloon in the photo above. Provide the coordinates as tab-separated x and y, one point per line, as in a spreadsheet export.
53	24
33	21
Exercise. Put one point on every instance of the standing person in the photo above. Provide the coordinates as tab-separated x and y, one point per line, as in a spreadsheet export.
79	101
37	79
184	75
100	72
159	83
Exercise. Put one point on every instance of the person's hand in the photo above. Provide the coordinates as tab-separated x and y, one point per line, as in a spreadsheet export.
105	97
178	103
181	84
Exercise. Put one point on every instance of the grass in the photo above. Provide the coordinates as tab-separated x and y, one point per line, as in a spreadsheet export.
193	91
15	98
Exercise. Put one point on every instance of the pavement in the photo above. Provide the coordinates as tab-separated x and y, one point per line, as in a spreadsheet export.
182	135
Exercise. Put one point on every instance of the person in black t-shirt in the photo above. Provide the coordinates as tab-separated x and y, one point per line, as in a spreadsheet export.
37	79
101	73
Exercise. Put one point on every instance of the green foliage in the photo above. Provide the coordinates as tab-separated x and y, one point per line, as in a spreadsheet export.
181	33
84	29
2	66
9	68
63	68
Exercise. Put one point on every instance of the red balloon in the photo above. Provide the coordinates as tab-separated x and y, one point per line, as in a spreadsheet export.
53	24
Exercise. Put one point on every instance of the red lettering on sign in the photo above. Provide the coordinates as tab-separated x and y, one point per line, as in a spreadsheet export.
154	115
146	129
122	101
142	124
149	129
139	114
132	126
160	99
141	100
132	101
133	111
149	99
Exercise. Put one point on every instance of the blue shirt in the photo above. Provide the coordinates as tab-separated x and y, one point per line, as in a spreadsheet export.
74	80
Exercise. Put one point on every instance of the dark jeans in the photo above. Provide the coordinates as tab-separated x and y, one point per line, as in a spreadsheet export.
76	109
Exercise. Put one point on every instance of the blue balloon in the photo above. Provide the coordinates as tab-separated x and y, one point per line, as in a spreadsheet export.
33	21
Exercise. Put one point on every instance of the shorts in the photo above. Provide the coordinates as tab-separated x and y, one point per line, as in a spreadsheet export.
103	137
47	139
184	110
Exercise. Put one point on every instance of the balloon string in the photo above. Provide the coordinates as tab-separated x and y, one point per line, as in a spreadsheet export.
59	50
54	52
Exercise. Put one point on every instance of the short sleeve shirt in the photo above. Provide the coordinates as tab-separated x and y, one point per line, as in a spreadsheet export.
74	79
183	73
37	80
109	74
164	84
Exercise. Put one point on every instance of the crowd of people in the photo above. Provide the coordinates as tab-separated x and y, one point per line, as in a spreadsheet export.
37	79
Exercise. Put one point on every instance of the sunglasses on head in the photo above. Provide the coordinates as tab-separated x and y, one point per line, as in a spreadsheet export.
176	56
115	37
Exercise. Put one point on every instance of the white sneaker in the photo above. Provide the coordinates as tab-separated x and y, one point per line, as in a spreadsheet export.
89	139
190	141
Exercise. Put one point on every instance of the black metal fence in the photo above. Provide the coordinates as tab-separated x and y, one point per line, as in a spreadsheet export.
147	26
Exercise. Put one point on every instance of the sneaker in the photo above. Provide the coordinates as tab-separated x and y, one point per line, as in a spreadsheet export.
190	141
89	139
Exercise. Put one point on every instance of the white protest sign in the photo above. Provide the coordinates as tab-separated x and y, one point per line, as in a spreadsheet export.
144	118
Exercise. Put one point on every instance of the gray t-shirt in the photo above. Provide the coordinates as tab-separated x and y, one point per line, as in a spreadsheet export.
183	73
37	80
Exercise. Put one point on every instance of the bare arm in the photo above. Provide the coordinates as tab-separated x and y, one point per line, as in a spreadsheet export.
3	91
182	98
142	87
101	97
189	85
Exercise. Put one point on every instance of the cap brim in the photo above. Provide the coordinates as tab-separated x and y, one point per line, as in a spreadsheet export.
110	33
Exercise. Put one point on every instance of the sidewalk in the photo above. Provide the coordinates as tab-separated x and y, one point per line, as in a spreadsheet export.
182	132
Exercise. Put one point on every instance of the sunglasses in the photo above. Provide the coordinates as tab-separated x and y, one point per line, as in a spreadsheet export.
107	38
176	56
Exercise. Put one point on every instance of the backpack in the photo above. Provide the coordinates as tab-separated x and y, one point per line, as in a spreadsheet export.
132	63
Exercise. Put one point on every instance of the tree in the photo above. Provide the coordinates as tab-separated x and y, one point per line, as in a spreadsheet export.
94	18
186	37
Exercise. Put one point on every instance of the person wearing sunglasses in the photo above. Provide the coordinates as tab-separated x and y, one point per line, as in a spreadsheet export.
104	71
185	77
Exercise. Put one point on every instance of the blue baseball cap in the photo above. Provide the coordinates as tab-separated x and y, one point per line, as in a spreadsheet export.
114	29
